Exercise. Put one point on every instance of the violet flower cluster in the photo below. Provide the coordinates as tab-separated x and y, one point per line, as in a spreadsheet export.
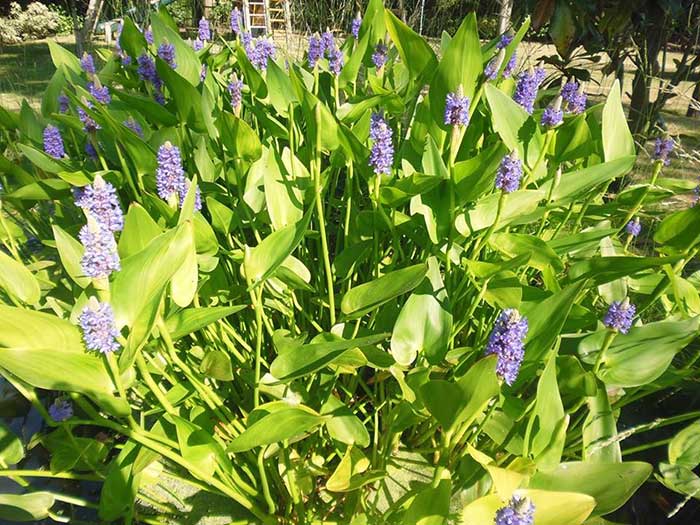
100	201
324	45
170	176
148	35
61	410
663	149
89	124
553	114
166	52
380	55
620	316
634	227
147	72
235	87
235	21
382	155
509	173
491	70
99	330
101	93
134	126
259	51
100	257
574	98
87	62
456	109
526	89
63	103
519	511
355	26
507	342
53	142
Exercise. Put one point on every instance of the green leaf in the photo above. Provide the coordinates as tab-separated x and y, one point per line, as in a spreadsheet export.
483	214
198	447
343	425
514	244
284	198
287	423
684	448
311	357
217	364
551	508
642	355
188	101
605	269
261	261
600	430
576	183
611	484
188	65
371	295
26	507
61	57
617	139
413	49
121	484
131	39
431	506
425	321
280	92
18	281
139	230
679	231
548	415
239	138
11	449
461	64
185	322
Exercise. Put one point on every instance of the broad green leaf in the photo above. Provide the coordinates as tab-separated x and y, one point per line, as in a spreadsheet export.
185	322
188	65
547	416
600	443
280	92
287	423
461	63
239	138
642	355
371	295
261	261
483	214
61	57
343	425
431	506
425	321
284	198
139	230
198	447
346	475
121	484
413	49
30	507
16	280
617	139
131	39
514	244
217	364
679	231
684	448
311	357
605	269
188	101
552	508
11	449
611	484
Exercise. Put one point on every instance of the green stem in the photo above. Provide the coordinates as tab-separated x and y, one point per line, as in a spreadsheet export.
485	238
640	201
143	369
609	337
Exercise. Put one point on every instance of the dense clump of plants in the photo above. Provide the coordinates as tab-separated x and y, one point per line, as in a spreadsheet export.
372	286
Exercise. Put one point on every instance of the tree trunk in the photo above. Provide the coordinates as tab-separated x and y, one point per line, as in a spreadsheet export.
76	29
92	14
694	106
504	15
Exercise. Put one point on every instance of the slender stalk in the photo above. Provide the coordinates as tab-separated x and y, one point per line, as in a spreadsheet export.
155	389
640	201
485	238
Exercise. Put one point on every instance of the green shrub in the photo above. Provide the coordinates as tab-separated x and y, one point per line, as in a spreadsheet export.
289	291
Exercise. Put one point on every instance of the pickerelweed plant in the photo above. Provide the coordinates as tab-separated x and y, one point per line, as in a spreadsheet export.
371	285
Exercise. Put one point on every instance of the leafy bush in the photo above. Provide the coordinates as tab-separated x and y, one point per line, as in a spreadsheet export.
374	286
37	21
65	20
9	33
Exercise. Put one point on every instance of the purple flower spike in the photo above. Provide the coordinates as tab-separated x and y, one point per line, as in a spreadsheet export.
197	44
379	57
197	196
328	41
526	89
336	61
134	126
89	124
53	142
506	39
634	228
99	330
170	176
166	52
61	410
552	116
507	342
620	316
260	52
234	88
203	73
456	109
90	150
510	66
696	196
146	67
573	96
315	50
204	30
519	511
355	27
509	173
101	93
88	63
100	258
100	200
382	155
148	35
236	21
63	103
662	150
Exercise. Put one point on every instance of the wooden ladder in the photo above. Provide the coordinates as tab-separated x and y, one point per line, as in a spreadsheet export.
267	15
